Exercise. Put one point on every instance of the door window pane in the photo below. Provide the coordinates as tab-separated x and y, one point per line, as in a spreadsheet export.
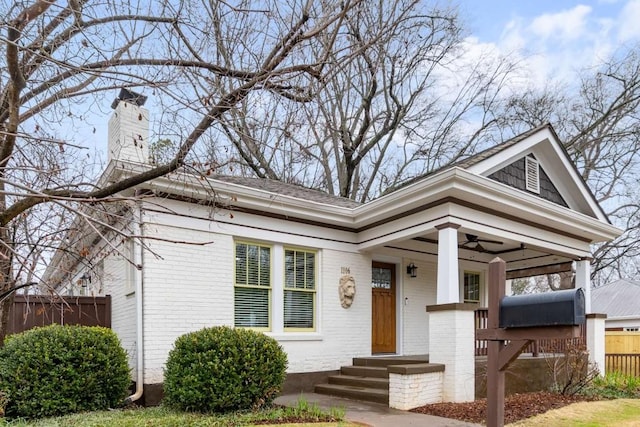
380	278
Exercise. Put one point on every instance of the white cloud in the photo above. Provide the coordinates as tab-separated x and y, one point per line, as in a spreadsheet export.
629	27
554	46
566	25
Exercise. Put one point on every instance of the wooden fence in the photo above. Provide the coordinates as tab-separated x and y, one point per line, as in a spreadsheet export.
36	310
626	364
622	350
536	347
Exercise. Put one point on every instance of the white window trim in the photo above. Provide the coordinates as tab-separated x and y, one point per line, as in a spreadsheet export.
277	329
315	289
271	279
532	174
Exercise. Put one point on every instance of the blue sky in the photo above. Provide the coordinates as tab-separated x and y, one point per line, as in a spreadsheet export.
554	38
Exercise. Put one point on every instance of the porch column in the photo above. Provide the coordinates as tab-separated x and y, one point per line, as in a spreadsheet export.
452	343
448	282
583	280
596	340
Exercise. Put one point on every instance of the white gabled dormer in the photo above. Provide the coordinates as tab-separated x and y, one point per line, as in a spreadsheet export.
128	137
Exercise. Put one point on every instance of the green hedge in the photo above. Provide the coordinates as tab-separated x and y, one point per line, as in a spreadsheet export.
222	369
57	370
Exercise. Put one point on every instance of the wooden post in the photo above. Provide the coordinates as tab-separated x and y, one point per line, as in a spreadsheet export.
500	354
495	376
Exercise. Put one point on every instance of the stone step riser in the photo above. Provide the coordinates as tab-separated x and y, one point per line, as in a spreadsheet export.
357	393
383	361
368	382
365	371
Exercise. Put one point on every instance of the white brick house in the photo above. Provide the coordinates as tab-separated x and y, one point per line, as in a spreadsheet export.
269	255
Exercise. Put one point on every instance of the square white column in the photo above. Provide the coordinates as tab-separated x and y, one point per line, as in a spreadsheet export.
596	340
583	281
448	280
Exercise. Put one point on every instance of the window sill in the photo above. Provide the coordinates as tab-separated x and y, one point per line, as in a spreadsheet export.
296	336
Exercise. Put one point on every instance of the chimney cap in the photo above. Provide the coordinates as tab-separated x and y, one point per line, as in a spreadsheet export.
129	96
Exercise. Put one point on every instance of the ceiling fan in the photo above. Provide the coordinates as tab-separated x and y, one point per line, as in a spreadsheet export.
473	242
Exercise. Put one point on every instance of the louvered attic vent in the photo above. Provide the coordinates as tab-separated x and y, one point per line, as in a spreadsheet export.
532	175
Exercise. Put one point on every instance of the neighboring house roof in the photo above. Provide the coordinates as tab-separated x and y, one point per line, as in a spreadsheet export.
292	190
617	299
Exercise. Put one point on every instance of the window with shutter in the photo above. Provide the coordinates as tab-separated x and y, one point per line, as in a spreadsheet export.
532	175
252	293
299	289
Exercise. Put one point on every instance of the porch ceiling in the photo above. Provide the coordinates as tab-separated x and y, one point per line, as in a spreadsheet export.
517	254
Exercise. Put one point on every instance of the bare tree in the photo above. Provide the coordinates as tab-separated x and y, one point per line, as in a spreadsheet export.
200	59
400	101
599	122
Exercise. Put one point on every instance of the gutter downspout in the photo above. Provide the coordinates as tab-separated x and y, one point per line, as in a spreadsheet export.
138	261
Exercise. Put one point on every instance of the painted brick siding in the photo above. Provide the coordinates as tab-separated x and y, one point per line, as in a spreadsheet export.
410	391
343	333
186	287
418	292
123	310
452	343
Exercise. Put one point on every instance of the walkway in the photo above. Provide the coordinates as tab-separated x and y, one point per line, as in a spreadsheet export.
372	414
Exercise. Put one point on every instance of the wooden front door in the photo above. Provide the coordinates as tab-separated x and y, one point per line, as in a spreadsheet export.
383	308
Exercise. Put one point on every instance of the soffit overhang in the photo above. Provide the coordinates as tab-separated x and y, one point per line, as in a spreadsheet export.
448	186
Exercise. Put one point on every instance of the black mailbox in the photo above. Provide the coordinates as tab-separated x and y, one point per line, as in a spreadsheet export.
559	308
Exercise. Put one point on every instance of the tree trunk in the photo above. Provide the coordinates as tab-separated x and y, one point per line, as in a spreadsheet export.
6	282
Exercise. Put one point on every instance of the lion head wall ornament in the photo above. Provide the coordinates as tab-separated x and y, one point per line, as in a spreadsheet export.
347	290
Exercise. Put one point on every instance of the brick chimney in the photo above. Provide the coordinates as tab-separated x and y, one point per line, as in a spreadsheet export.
129	128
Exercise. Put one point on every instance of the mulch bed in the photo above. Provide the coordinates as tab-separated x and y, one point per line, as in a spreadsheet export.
517	407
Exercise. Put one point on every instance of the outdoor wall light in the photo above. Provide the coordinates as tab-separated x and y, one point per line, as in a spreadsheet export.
412	270
85	279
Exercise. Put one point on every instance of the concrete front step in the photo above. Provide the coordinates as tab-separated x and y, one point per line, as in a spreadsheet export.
352	392
391	360
365	371
357	381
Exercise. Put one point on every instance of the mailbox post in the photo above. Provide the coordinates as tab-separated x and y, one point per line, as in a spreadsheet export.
518	321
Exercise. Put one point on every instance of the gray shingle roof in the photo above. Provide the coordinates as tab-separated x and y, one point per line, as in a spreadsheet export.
617	299
293	190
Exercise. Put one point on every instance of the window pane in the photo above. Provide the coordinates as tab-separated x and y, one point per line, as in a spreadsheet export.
298	309
241	263
265	266
381	278
299	270
471	286
310	268
253	265
251	307
289	269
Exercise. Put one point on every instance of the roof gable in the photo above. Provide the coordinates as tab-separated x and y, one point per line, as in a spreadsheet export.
560	181
514	175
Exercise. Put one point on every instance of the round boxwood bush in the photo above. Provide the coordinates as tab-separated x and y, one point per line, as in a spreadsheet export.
57	370
222	369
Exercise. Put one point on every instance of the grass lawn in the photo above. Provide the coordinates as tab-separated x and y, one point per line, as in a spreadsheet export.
163	417
620	412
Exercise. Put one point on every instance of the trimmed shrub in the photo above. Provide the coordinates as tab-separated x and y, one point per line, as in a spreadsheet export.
58	370
222	369
3	402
